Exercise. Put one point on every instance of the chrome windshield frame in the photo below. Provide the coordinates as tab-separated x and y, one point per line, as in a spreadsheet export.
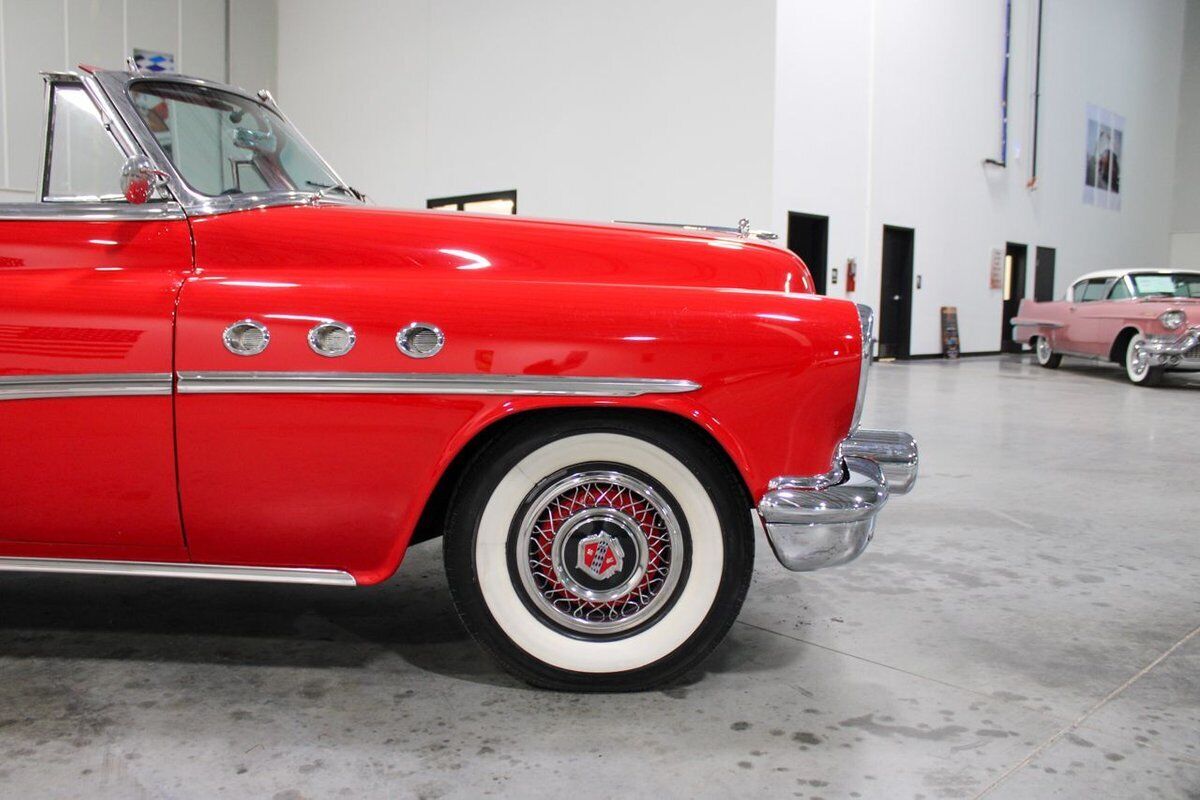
115	87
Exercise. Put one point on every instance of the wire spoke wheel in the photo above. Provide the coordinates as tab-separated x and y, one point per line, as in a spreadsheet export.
599	551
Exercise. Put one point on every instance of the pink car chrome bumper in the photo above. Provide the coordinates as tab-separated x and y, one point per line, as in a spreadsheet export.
1174	351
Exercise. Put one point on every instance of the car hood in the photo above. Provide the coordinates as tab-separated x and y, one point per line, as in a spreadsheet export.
509	248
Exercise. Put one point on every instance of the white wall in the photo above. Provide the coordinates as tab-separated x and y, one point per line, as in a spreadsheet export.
620	109
921	81
1185	237
253	42
39	35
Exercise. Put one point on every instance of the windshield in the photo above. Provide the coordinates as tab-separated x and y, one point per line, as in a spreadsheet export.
1175	284
224	144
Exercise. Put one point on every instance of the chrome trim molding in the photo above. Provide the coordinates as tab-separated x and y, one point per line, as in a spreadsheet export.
51	210
1021	322
127	384
155	569
418	383
866	320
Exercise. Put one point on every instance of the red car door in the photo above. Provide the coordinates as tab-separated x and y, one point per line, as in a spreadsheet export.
88	285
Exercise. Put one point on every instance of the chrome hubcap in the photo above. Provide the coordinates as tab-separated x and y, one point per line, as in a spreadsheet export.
1043	349
1137	360
599	552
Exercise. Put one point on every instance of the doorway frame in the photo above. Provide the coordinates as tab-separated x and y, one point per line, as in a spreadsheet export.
904	340
822	286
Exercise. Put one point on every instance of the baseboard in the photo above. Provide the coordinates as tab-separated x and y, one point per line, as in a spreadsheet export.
942	356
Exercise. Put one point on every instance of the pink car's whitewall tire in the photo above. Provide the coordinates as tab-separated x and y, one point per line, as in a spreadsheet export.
496	606
1137	365
1045	355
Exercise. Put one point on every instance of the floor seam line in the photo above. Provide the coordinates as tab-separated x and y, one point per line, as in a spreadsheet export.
901	670
1086	714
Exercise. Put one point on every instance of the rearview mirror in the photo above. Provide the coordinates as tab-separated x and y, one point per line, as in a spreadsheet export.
139	179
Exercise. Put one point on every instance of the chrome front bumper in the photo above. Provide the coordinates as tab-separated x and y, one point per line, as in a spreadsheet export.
1172	351
828	520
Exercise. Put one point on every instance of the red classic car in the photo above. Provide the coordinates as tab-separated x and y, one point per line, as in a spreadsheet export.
1146	320
216	361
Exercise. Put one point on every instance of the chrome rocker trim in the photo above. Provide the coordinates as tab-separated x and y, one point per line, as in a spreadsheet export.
419	383
42	387
154	569
1022	322
812	523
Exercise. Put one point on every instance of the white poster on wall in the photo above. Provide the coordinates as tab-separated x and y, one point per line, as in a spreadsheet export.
1105	138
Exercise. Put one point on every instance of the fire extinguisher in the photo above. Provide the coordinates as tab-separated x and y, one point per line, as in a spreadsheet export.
851	274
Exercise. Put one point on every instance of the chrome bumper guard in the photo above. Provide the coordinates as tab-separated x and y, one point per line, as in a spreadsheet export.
1171	350
825	521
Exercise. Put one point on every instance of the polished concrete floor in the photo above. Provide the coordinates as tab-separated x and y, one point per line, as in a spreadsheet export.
1024	626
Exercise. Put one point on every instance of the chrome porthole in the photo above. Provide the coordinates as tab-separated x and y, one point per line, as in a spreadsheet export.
331	339
246	338
599	552
420	340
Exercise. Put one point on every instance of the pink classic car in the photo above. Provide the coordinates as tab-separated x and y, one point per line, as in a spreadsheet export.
1146	320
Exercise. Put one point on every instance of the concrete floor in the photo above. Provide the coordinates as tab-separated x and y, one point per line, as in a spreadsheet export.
1024	626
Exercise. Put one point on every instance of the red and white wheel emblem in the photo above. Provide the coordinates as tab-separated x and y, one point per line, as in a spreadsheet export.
600	556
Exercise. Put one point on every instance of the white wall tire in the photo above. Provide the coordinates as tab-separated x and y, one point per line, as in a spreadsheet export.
1137	367
1045	355
528	640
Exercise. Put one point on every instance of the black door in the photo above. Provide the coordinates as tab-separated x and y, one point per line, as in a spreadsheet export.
895	297
1014	290
808	237
1043	275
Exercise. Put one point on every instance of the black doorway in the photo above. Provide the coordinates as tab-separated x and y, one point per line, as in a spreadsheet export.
895	297
1014	290
808	237
1043	274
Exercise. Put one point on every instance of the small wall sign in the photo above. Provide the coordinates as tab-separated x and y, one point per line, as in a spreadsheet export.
153	61
996	280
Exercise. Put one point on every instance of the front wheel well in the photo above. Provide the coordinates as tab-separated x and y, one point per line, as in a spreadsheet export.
1121	344
433	517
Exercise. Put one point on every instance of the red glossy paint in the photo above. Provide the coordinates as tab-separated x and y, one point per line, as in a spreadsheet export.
83	477
339	480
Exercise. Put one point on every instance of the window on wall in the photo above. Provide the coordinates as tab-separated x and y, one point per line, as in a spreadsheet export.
485	203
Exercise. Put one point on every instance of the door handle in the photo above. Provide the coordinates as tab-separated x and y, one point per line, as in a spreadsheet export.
895	297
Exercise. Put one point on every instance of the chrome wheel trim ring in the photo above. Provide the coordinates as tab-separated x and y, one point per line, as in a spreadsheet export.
1043	350
588	611
1137	363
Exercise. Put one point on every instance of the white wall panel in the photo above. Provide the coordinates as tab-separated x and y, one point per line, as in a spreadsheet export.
253	47
590	110
152	25
921	81
96	33
34	40
1186	223
202	43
